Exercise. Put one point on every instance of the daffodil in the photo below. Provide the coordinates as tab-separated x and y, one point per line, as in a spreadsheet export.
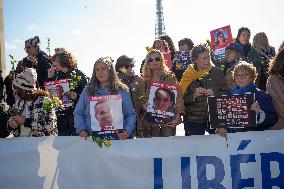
107	143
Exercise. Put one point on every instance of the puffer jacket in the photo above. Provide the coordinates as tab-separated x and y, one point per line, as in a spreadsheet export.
196	110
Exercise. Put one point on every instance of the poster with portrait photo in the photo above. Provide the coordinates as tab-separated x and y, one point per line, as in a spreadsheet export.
58	88
106	116
220	39
231	111
161	103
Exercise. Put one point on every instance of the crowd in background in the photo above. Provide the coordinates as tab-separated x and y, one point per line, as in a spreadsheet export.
248	67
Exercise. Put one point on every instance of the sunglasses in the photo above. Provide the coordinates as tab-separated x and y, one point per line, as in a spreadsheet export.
28	47
156	59
128	66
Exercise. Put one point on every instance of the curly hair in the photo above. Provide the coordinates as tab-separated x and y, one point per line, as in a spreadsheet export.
243	65
197	50
122	61
29	62
170	42
277	64
165	44
186	41
260	41
147	73
66	59
240	32
114	81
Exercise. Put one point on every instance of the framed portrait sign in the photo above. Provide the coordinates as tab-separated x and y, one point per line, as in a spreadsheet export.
220	39
59	88
231	111
106	116
162	103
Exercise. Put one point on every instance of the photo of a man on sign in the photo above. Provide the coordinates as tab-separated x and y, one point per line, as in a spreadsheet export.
162	102
104	115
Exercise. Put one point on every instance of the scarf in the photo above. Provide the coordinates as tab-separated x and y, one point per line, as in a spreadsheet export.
126	80
190	75
249	88
231	64
246	49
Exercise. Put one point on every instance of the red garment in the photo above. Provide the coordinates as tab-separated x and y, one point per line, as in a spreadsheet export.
168	58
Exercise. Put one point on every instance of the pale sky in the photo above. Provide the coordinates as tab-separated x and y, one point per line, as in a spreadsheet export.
94	28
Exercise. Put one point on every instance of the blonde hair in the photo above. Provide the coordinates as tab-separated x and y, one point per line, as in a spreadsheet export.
260	41
147	73
114	81
243	65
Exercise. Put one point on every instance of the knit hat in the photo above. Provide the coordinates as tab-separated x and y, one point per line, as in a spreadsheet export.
236	47
34	42
26	80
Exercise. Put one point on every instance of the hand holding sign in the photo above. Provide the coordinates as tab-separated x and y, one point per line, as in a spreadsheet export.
255	107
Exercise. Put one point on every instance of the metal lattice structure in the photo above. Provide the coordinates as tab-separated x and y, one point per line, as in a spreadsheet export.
160	25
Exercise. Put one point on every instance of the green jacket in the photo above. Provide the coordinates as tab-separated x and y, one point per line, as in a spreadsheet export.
196	110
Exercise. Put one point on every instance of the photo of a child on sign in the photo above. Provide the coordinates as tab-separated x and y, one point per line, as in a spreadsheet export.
106	116
220	39
57	88
161	103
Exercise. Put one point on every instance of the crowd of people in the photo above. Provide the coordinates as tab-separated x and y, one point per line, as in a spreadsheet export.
28	109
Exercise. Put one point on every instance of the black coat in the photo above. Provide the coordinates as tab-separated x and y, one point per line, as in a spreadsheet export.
43	65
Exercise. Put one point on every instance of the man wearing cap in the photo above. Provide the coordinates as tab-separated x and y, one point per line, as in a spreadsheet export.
234	53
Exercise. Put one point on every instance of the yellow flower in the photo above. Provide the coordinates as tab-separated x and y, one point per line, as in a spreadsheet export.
79	78
107	143
178	65
149	49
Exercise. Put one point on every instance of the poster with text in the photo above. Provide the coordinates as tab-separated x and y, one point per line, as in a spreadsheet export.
58	88
106	116
220	39
231	111
161	103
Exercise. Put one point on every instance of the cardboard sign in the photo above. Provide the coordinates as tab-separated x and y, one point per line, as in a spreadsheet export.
231	111
162	103
220	39
106	116
58	88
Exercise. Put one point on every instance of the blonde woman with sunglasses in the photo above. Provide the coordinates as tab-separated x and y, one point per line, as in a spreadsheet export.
155	70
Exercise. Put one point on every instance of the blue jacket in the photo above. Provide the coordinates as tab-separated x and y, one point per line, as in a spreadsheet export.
266	105
82	117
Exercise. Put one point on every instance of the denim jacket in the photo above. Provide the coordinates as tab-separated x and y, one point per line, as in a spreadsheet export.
82	117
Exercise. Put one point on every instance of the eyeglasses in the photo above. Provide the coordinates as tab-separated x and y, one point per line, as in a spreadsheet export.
129	66
244	76
157	59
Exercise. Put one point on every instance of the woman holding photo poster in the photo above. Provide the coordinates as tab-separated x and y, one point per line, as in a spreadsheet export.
104	82
65	67
155	70
200	80
245	75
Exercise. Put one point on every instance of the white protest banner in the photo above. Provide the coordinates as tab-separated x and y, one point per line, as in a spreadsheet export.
251	160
